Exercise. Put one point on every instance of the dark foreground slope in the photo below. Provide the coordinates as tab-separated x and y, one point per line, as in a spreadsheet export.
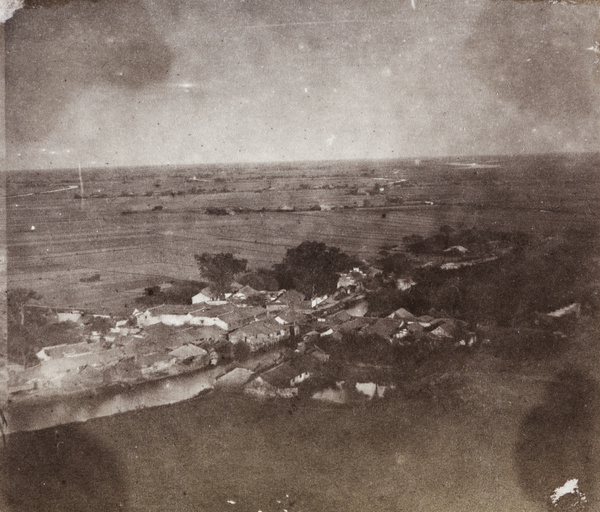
501	440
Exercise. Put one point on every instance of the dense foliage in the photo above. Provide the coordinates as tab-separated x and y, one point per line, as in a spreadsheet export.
220	269
313	268
31	327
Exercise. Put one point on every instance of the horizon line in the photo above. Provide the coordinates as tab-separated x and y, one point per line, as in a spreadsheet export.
304	162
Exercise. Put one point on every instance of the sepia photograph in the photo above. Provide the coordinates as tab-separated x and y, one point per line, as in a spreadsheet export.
300	256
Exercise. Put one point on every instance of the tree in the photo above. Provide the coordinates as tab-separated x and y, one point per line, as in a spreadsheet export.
261	279
17	299
220	269
312	268
395	263
26	326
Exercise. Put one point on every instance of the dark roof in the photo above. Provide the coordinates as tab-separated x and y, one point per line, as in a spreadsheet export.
187	351
404	314
147	360
354	324
267	326
174	309
291	297
384	327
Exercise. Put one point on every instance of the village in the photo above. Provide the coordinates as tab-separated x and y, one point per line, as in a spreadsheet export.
269	343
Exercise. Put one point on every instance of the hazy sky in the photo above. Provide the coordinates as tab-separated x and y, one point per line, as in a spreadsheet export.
134	82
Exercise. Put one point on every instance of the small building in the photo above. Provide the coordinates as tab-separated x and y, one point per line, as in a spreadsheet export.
259	334
72	315
292	373
200	298
177	316
155	362
456	250
319	354
291	317
351	280
385	328
191	353
291	298
67	350
314	302
405	284
245	292
403	314
260	388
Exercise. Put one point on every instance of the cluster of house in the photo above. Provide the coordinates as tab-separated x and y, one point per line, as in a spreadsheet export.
170	339
166	339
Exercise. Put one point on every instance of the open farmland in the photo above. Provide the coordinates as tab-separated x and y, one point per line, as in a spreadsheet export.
138	227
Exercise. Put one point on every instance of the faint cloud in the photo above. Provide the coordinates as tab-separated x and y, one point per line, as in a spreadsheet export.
8	8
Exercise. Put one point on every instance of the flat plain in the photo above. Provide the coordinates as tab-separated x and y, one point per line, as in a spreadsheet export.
142	226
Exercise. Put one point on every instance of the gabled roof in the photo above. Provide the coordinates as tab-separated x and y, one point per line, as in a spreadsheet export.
403	314
289	316
291	297
441	332
457	248
241	315
200	297
384	327
267	326
354	324
342	317
187	351
209	332
147	360
71	350
174	309
215	311
247	291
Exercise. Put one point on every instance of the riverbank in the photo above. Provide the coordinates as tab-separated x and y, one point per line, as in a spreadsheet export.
35	412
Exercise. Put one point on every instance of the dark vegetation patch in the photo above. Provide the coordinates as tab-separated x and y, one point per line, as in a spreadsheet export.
179	292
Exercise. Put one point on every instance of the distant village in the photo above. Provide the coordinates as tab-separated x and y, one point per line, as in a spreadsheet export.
231	333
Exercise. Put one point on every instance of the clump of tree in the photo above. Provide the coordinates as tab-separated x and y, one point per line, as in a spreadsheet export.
18	313
394	263
313	268
261	279
31	327
476	240
510	291
220	269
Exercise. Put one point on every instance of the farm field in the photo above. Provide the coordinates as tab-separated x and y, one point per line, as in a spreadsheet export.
142	226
